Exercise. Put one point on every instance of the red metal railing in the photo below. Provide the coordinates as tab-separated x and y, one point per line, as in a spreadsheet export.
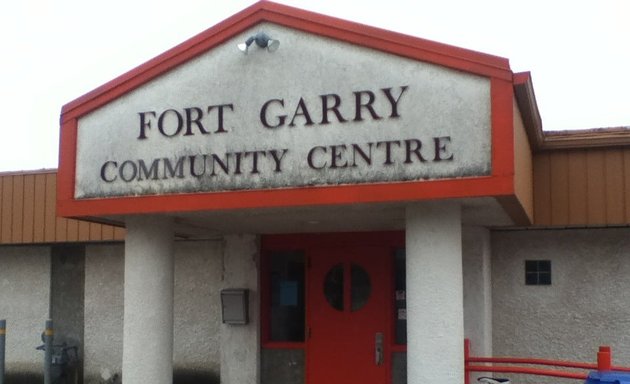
604	363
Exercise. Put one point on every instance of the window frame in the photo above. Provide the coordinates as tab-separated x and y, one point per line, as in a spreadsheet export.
538	272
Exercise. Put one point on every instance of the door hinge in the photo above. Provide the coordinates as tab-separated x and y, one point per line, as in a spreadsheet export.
308	332
308	262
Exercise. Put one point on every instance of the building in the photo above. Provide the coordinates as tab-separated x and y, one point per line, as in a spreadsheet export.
345	207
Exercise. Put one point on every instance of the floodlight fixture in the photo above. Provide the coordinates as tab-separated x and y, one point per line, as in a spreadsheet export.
262	40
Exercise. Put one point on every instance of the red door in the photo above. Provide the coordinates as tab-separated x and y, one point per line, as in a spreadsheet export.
348	317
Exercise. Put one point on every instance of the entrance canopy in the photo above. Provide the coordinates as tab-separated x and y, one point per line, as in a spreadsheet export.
339	117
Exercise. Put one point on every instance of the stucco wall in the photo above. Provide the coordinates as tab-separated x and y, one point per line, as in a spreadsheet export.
587	304
198	269
24	303
104	271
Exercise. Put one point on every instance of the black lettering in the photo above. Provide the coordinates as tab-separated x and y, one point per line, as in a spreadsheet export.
334	108
178	127
301	110
128	165
263	114
150	173
224	165
336	153
190	120
144	124
104	171
388	150
170	171
359	105
237	161
278	159
309	158
394	101
413	146
441	150
220	125
367	157
192	160
255	159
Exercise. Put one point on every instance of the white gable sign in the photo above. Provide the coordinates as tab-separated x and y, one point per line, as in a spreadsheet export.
315	112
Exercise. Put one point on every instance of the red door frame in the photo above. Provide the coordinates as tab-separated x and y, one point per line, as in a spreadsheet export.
304	242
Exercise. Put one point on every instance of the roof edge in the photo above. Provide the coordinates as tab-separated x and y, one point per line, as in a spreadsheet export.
587	138
311	22
158	60
384	34
41	171
541	140
526	101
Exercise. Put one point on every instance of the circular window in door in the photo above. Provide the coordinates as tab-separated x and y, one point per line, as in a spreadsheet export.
360	287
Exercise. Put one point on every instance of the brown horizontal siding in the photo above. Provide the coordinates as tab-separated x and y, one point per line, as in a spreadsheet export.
588	187
28	213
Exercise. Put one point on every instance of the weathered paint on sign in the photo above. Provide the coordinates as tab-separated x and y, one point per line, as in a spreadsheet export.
315	112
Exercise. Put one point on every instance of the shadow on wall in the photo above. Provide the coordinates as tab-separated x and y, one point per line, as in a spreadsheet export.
23	378
186	376
109	379
180	376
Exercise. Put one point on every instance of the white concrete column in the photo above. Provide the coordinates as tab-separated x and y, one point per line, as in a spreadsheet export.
435	308
240	344
148	315
477	258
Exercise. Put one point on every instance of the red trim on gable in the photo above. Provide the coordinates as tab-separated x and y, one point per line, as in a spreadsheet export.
501	96
390	42
355	33
66	174
521	78
161	64
499	183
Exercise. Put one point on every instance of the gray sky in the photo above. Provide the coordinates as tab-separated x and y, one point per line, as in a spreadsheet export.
55	51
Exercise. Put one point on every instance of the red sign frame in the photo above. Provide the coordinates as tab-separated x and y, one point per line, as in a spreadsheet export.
499	183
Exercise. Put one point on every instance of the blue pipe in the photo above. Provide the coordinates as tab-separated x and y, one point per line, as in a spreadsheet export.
48	350
3	334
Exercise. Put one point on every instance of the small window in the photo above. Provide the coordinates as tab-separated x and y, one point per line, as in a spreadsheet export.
287	297
538	272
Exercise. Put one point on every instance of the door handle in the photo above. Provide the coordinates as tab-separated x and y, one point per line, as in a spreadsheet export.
378	348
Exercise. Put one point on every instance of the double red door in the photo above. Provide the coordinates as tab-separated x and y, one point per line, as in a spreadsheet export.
348	309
